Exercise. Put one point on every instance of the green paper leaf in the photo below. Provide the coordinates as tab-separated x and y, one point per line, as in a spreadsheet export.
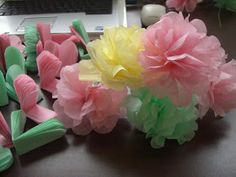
3	91
38	136
6	158
14	57
226	4
79	27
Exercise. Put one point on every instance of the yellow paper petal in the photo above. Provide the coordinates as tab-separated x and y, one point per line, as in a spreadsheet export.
88	72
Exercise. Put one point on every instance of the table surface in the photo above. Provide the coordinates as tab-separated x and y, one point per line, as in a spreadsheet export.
125	152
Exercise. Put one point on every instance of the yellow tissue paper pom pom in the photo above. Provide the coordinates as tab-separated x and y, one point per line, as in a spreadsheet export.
115	56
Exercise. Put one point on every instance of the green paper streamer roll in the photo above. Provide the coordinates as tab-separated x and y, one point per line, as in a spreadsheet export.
160	119
37	136
79	27
6	159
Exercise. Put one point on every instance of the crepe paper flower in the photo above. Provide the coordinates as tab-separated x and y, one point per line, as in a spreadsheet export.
31	38
85	106
6	159
48	66
6	41
221	96
226	4
160	119
5	135
180	5
115	55
179	59
27	92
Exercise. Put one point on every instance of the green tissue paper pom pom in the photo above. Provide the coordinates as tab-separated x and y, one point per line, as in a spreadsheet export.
160	119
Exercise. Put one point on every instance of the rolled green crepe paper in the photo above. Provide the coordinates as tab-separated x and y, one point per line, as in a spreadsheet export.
160	119
83	53
79	27
3	91
31	39
226	4
38	136
14	57
6	159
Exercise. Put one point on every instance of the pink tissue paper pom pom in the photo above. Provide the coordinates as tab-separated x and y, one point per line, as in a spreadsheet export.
85	106
221	96
180	5
179	58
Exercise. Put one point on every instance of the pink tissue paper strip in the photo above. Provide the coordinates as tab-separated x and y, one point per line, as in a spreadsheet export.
48	67
5	135
27	92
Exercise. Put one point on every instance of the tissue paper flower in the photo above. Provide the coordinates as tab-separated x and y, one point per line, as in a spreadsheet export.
160	119
179	59
115	55
180	5
221	96
85	106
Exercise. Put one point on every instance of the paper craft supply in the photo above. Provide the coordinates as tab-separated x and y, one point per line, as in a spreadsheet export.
79	27
31	38
160	119
48	66
4	43
14	57
6	159
5	134
3	91
116	56
175	69
85	106
27	92
37	136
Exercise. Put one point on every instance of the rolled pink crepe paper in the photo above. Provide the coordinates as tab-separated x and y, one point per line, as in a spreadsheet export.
27	92
5	135
44	32
48	67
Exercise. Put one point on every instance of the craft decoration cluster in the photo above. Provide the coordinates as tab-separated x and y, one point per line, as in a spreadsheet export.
162	79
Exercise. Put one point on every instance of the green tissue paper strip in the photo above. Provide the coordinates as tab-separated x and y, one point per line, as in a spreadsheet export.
37	136
160	119
3	91
31	39
6	158
14	57
79	27
226	4
83	53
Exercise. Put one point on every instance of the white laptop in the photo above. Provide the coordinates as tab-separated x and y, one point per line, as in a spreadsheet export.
60	22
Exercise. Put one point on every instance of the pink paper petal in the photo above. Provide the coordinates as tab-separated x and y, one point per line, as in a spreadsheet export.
4	43
68	53
52	47
44	32
16	41
39	47
48	66
59	38
5	135
27	92
79	38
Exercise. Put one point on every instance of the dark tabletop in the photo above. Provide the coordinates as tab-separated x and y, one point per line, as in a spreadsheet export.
125	152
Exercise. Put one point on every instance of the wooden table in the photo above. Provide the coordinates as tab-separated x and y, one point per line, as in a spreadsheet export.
125	152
